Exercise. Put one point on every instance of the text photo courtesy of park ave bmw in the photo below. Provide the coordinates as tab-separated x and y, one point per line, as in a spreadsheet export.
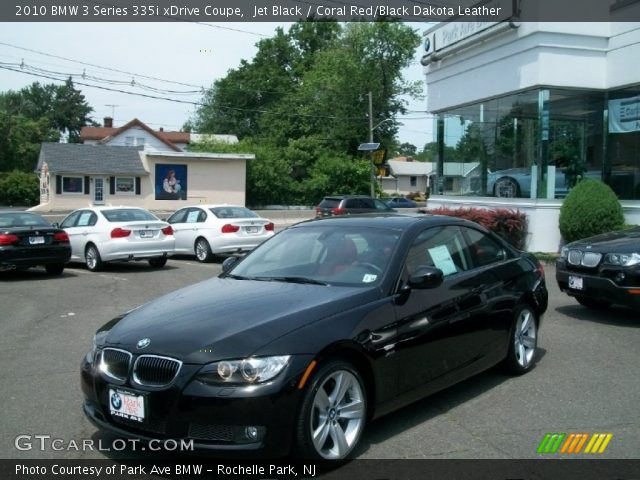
341	239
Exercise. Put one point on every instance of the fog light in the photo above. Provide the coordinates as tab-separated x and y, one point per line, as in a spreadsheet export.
251	433
620	277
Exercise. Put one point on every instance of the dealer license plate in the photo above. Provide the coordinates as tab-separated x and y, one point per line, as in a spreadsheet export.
36	240
252	229
146	233
575	283
126	405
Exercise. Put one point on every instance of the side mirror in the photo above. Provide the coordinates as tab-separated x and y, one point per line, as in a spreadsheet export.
426	277
55	225
228	264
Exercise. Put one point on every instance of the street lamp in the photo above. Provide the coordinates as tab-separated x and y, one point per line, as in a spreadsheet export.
367	146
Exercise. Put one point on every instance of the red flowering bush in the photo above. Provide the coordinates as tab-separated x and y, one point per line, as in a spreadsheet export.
511	225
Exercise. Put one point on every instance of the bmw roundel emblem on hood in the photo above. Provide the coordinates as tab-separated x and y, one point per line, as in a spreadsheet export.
143	343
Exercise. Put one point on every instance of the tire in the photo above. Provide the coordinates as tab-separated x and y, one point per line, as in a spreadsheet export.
158	262
203	251
523	341
506	187
92	258
338	431
54	268
592	303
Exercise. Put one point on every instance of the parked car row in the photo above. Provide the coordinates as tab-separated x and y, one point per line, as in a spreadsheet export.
97	235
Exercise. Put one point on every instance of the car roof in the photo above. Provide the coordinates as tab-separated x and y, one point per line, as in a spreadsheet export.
400	221
348	196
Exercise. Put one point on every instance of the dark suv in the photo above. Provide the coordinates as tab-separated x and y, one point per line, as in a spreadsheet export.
350	204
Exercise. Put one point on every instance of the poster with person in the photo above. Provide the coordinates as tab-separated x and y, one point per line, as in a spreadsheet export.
171	182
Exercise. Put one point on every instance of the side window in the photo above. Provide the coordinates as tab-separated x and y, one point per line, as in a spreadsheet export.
86	219
483	249
70	221
380	205
367	203
440	247
178	217
352	203
194	215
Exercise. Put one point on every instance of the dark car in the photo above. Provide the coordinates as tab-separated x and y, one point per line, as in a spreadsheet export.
350	204
602	270
401	202
327	325
28	240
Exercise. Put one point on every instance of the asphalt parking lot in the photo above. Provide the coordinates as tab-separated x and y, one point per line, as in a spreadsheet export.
586	379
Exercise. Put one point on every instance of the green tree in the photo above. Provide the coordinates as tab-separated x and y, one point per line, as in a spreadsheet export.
19	188
35	114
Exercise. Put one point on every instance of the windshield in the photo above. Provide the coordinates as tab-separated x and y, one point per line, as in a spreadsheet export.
232	212
22	220
128	215
354	256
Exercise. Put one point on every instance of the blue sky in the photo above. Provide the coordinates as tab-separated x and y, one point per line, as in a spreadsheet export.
191	54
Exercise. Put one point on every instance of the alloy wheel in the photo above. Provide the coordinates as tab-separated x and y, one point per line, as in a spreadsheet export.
337	415
525	338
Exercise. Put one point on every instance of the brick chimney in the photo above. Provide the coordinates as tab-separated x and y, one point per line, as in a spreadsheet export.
108	122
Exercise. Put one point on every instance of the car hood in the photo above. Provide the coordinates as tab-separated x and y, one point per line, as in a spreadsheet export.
623	241
224	317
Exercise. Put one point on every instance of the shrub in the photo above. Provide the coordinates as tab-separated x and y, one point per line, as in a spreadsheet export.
511	225
590	208
19	188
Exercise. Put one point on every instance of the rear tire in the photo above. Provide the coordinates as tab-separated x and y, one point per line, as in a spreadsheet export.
92	258
203	251
592	303
523	341
158	262
54	268
333	413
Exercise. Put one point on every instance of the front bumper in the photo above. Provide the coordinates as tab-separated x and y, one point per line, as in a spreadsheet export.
213	418
600	284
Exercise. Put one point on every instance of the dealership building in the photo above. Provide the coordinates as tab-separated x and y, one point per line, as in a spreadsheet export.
537	105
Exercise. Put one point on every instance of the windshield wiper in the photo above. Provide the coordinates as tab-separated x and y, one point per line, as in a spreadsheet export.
305	280
237	277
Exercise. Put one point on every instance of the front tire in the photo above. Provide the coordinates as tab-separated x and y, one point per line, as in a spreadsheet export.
506	187
92	259
592	303
203	251
333	413
523	341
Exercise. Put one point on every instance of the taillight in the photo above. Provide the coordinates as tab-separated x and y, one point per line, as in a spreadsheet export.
338	211
168	230
120	233
61	237
269	227
228	228
8	239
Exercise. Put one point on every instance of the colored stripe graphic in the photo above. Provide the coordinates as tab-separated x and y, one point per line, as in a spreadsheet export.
574	442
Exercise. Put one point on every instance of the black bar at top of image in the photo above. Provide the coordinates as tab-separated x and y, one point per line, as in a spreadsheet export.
192	469
296	10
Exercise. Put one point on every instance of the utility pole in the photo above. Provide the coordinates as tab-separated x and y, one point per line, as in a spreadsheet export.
373	175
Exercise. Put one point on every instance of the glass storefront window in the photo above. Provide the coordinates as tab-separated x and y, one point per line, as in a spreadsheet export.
539	143
623	143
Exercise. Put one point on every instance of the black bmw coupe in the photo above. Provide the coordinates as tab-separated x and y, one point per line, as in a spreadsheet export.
28	240
323	328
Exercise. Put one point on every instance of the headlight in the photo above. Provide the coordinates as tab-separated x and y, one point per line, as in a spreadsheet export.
564	252
98	340
247	371
622	259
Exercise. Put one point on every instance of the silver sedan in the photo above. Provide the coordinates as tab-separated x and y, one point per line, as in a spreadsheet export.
209	230
106	234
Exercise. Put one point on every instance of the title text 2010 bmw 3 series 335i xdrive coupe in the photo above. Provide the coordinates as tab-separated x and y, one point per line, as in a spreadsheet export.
324	327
